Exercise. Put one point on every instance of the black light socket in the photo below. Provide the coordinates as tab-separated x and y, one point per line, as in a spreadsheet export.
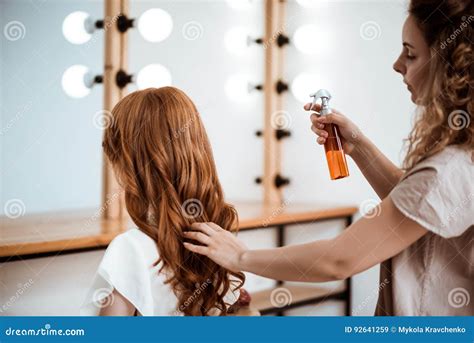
122	79
281	87
98	79
281	181
282	133
124	23
282	40
99	24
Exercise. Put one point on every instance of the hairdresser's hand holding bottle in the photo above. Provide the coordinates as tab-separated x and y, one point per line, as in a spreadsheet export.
370	160
351	138
226	249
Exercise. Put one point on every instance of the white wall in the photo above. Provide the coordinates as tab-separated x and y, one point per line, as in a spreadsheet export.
51	152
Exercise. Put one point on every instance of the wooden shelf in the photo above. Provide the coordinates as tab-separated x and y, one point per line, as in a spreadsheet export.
53	233
300	295
257	215
56	232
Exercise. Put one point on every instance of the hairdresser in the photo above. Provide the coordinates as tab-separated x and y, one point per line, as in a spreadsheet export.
423	232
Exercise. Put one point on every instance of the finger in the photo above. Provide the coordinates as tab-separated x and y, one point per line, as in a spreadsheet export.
315	107
197	236
333	118
314	119
215	227
196	248
321	140
319	132
203	227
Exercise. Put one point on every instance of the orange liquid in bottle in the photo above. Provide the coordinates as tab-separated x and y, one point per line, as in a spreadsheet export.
335	154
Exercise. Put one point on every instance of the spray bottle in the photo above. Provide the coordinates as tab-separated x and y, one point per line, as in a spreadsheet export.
334	153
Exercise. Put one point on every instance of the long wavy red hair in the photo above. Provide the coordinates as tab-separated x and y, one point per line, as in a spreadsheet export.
162	158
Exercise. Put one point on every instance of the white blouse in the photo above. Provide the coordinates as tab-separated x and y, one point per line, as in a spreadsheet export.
434	276
127	266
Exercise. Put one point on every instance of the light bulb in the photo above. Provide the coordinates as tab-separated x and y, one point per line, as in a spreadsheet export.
155	25
240	4
153	75
311	39
74	81
237	40
76	27
238	87
304	84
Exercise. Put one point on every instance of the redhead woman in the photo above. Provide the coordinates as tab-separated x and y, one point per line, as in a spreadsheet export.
423	237
168	185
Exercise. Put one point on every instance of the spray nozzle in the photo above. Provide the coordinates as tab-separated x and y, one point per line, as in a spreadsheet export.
325	96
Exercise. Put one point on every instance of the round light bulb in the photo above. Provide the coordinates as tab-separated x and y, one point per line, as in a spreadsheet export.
237	40
304	84
155	25
74	27
240	4
153	75
73	81
311	39
238	87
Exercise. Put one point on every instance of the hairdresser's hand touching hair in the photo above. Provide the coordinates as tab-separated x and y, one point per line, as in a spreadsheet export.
379	238
219	245
351	135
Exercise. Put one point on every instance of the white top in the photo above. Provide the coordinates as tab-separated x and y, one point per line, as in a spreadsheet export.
127	266
434	276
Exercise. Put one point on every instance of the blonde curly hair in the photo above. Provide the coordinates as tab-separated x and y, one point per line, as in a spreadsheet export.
444	115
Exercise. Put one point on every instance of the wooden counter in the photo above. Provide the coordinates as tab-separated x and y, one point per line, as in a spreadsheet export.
54	233
60	233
